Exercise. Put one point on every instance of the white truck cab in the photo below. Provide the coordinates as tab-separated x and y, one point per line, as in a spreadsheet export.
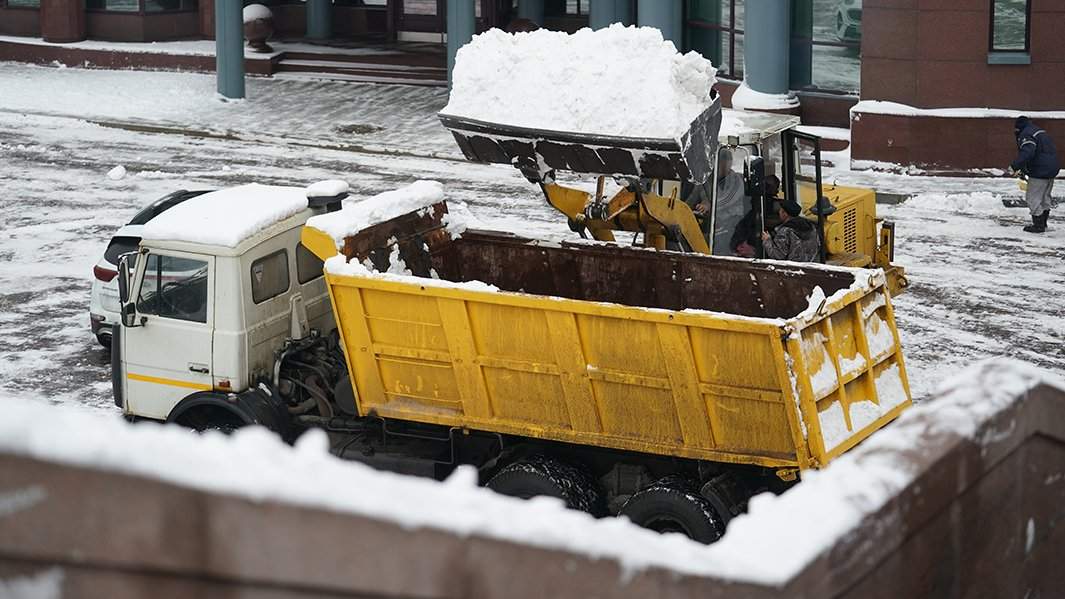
219	286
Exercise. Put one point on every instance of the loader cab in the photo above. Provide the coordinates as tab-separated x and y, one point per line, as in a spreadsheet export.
205	308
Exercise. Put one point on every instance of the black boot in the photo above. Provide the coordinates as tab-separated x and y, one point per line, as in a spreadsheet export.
1037	225
1046	216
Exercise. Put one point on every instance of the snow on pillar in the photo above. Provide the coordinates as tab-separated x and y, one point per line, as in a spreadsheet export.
461	24
229	47
665	15
319	19
532	10
603	13
766	52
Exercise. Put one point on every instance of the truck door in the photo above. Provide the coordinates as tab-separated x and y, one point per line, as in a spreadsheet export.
168	353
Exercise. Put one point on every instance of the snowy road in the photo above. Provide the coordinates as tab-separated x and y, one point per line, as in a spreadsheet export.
981	287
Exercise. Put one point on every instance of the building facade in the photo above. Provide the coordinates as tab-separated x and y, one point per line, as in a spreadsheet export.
886	68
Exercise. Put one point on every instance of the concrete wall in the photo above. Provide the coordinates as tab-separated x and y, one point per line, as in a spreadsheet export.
976	520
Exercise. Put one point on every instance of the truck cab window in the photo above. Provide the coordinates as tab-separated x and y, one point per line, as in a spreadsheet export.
174	288
308	266
269	276
731	204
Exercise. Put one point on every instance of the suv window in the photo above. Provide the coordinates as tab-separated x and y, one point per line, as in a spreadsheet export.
119	246
308	266
269	276
174	288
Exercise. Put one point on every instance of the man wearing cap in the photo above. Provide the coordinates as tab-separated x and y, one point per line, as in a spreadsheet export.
1038	159
795	238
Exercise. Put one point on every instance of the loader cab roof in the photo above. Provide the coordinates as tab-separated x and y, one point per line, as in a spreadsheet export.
742	127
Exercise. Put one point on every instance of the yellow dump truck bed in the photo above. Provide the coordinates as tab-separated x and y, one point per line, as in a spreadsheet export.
659	352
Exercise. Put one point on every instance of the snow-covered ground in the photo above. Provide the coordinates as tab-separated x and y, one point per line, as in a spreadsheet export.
981	287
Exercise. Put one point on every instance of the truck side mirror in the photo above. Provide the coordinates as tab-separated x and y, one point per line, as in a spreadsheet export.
129	309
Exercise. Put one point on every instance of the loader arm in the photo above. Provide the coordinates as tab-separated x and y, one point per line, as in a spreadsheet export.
659	219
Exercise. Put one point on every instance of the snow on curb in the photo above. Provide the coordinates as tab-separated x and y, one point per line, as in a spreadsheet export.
617	81
771	544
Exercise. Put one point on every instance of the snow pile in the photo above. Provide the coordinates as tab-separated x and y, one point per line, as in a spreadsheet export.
254	12
46	584
227	217
399	273
117	174
977	202
618	81
777	538
356	216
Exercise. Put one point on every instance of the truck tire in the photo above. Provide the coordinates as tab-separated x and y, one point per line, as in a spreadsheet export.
673	504
539	475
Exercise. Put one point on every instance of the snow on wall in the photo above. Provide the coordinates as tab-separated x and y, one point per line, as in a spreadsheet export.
896	109
355	216
769	545
227	217
618	81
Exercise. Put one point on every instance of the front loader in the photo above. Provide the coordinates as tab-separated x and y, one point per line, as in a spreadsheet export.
657	179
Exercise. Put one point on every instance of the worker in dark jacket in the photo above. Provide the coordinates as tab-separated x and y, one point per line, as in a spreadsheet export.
1038	160
795	238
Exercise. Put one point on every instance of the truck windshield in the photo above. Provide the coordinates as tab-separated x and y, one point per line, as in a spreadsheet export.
174	287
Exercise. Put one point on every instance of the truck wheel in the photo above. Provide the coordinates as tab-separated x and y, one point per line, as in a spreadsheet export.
674	505
539	475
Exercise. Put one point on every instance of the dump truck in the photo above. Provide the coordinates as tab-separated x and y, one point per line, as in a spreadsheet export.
668	387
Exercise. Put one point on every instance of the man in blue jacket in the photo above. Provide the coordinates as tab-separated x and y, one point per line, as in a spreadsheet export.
1036	158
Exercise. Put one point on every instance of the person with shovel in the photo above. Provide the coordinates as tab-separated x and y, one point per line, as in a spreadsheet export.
1037	160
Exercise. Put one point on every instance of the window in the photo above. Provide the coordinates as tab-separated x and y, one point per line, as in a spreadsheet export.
174	288
269	276
1010	25
22	3
142	6
308	266
715	30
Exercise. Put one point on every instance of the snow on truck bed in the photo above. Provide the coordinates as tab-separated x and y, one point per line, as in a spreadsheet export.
618	81
778	537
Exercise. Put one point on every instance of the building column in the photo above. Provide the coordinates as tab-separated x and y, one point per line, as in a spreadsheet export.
319	19
62	21
802	49
461	24
604	13
532	10
766	53
229	47
665	15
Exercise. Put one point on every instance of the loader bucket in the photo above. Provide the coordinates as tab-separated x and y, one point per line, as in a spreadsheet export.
536	151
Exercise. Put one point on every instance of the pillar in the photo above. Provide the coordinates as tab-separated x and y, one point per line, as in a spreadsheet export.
708	42
319	19
802	49
461	24
532	10
604	13
62	21
229	47
665	15
766	58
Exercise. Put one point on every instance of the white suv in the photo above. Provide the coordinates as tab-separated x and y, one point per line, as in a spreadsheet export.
104	305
